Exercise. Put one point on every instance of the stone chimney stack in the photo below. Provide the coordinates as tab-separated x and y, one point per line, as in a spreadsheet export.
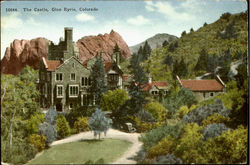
68	34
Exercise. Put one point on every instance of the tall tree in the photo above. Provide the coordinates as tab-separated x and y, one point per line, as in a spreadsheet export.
202	60
98	81
165	43
146	50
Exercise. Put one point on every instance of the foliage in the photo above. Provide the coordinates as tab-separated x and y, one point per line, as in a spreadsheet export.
179	69
163	147
113	99
48	128
165	43
230	147
142	126
152	137
145	116
156	109
213	130
79	111
19	102
168	159
33	123
215	118
201	113
38	141
98	81
183	33
190	147
62	127
99	123
81	124
182	111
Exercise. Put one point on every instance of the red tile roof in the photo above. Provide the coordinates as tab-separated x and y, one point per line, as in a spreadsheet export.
125	77
107	65
202	85
147	87
51	65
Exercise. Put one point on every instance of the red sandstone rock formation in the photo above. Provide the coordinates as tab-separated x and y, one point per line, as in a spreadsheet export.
22	53
89	46
25	52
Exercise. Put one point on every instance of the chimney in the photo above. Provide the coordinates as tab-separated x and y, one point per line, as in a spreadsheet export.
149	79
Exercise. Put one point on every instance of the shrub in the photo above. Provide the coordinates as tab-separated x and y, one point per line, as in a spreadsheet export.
152	137
165	146
201	113
215	118
38	141
182	111
213	130
81	124
145	126
99	123
49	131
230	147
62	127
168	159
190	147
33	123
156	109
113	99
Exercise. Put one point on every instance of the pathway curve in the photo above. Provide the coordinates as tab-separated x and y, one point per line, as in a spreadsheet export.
112	134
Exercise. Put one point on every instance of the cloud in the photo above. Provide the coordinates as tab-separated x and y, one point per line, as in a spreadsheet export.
171	12
11	21
138	21
84	17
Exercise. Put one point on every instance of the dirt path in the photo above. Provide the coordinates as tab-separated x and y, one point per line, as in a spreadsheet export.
113	134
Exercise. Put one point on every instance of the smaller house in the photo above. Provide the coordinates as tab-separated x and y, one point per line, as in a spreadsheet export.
204	89
155	88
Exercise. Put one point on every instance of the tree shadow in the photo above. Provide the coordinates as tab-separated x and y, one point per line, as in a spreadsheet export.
91	140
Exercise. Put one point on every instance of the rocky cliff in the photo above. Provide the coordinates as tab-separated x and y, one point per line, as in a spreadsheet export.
89	46
25	52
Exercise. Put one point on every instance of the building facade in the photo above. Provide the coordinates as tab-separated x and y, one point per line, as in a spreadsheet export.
64	80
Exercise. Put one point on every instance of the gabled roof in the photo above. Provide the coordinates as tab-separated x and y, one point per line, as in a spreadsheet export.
107	65
157	84
202	85
51	65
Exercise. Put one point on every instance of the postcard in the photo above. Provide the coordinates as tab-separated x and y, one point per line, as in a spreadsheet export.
124	82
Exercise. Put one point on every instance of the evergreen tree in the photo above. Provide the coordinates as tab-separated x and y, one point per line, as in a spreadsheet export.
205	24
179	68
202	60
168	61
99	123
191	30
146	51
165	43
116	48
171	47
98	85
183	33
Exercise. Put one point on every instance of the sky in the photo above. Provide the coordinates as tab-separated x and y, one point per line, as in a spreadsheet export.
134	20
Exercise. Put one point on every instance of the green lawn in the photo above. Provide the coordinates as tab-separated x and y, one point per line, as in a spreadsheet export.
80	152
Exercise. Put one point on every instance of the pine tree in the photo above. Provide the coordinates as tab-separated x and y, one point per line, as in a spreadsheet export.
98	85
146	51
202	60
116	48
165	43
183	33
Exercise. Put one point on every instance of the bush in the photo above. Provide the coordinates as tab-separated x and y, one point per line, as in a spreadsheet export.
81	124
156	109
99	123
49	131
190	147
33	123
38	141
165	146
168	159
152	137
201	113
182	111
215	118
213	130
145	126
113	99
230	147
62	127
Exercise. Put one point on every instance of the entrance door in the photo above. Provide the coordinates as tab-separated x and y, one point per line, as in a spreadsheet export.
59	107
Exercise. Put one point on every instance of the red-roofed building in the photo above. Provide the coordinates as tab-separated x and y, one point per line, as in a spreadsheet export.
156	87
203	89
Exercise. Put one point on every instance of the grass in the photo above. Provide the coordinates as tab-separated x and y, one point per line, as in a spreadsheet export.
82	151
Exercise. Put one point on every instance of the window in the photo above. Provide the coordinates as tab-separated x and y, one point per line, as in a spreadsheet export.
73	90
70	105
59	91
59	77
113	77
85	99
86	81
72	76
204	94
211	94
154	92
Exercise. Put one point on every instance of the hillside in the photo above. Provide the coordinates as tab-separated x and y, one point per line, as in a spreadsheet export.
207	37
154	42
